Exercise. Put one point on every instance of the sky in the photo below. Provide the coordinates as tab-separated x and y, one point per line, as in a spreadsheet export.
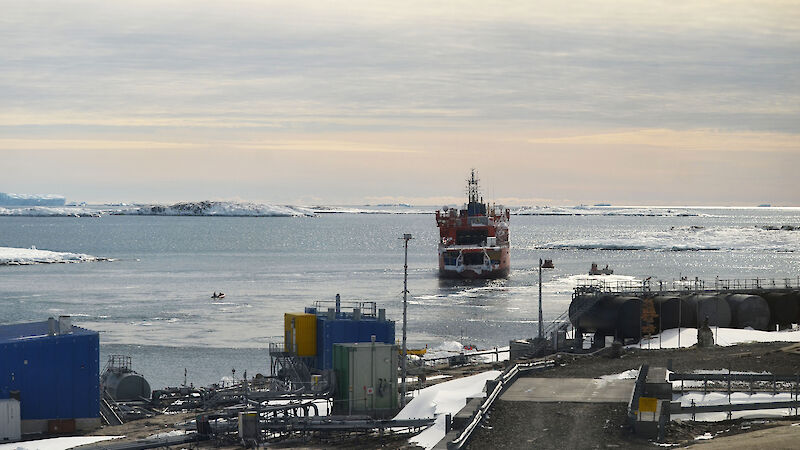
364	102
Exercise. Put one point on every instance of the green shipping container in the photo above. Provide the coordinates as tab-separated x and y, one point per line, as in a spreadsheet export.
366	379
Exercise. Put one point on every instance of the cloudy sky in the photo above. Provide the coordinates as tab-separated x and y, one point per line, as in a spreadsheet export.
627	102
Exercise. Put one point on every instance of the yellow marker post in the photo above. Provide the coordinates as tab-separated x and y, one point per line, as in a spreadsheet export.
649	404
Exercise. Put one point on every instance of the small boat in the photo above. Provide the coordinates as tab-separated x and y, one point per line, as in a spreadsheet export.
220	295
597	271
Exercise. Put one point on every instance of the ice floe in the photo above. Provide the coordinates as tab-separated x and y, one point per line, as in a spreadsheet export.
10	256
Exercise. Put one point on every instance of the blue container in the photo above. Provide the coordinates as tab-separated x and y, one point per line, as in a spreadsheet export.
344	330
57	376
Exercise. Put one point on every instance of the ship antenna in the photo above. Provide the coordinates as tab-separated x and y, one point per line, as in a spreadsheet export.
472	188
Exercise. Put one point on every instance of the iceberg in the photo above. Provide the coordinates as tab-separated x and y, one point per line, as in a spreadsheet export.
31	199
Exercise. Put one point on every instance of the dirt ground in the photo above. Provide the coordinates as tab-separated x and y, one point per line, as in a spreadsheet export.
745	357
143	428
561	425
525	425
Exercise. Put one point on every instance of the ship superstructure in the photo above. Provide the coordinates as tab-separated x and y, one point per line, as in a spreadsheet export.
473	240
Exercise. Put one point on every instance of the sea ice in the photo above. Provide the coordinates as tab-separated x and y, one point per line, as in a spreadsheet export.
10	256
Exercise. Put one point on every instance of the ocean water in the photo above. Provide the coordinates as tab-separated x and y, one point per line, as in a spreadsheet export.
153	301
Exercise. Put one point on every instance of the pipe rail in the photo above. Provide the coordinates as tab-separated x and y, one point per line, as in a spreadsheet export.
500	383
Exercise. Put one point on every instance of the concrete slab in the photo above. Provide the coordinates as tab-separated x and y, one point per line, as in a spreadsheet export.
573	390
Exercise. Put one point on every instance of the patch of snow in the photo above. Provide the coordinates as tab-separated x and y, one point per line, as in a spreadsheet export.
10	256
627	375
438	377
721	398
722	336
59	443
455	348
167	434
442	399
704	437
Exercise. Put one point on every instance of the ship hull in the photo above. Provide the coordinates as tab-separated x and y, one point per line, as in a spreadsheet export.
496	263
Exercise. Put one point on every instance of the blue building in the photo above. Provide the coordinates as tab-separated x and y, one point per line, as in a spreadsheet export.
335	326
53	368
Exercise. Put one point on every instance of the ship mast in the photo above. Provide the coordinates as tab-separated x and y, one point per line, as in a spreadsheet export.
472	189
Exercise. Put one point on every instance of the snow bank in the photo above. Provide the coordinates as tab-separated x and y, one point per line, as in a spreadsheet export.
722	336
720	398
444	398
209	208
59	443
10	256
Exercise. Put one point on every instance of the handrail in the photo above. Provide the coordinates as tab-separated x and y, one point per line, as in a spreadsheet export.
638	389
502	382
685	284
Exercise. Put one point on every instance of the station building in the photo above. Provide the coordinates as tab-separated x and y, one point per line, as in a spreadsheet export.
52	369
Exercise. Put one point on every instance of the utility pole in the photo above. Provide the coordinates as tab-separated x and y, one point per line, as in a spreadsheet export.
406	237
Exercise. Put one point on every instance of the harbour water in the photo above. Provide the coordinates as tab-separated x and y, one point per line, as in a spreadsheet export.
153	300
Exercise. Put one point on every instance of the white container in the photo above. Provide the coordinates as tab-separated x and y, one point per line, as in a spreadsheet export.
10	425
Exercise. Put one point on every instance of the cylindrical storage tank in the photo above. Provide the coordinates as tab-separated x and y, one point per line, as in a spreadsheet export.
713	307
629	316
783	308
796	296
674	312
126	386
611	315
588	313
749	311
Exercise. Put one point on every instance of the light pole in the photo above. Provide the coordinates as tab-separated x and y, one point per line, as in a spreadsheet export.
406	237
547	264
541	333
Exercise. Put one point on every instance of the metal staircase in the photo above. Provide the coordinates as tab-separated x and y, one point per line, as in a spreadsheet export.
289	366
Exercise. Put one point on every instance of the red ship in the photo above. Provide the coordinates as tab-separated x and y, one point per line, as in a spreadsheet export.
474	240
